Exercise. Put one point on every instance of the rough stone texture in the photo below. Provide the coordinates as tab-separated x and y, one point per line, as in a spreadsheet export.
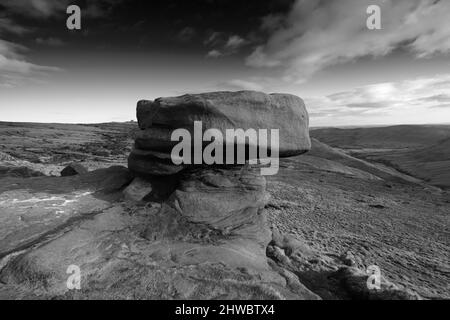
143	252
225	110
33	207
73	169
24	172
330	276
155	138
334	221
227	201
145	162
138	189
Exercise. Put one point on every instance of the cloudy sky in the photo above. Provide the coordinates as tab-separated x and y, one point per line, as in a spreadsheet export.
319	50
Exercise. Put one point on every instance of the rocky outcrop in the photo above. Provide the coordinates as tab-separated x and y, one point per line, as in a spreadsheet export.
207	235
51	226
201	232
214	214
150	251
227	201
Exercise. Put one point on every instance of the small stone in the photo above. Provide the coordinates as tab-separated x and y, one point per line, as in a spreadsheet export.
349	259
73	169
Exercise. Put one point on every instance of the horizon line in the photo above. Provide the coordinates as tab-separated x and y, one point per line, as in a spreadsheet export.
311	127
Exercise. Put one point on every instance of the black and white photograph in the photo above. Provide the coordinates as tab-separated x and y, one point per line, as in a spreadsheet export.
242	152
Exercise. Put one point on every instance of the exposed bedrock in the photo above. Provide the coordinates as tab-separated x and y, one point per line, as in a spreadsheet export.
207	240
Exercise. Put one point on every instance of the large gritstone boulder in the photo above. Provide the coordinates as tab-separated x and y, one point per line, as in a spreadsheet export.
225	110
243	113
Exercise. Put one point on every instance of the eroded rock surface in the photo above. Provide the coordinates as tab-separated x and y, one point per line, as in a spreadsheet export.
149	251
73	169
226	110
32	208
221	111
160	231
146	162
165	250
24	172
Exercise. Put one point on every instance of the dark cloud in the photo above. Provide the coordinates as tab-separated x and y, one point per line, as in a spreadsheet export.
317	34
34	8
160	25
7	25
52	42
224	46
186	34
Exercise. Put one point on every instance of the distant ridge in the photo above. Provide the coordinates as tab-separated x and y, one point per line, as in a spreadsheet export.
421	151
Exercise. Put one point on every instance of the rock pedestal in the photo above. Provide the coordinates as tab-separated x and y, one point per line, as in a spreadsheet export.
215	214
228	201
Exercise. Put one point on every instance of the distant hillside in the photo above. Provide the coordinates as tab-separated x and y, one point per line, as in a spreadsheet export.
431	164
323	151
396	137
48	147
419	151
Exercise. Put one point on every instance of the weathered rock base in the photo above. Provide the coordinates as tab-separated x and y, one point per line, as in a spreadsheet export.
208	240
173	251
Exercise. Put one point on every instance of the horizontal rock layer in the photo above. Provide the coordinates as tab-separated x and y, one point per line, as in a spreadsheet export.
229	200
145	162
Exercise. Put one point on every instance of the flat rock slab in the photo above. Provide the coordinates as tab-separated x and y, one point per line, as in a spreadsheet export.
116	263
137	190
222	111
35	208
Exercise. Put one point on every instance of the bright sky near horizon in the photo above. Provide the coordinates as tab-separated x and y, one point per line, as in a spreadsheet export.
322	51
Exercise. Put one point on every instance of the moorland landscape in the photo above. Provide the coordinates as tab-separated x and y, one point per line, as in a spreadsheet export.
360	197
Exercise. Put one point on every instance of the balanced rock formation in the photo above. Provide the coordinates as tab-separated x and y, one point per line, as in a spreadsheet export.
214	214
